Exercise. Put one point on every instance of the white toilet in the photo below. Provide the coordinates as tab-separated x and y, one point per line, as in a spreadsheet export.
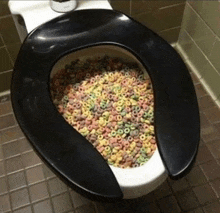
52	44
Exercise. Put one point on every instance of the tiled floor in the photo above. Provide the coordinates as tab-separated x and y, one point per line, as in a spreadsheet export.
27	185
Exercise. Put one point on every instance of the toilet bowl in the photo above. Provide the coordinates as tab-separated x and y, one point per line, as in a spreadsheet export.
96	32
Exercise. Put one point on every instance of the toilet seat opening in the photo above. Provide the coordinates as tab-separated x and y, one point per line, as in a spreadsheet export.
128	138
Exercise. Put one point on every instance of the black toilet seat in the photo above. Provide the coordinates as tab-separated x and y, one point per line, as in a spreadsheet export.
68	153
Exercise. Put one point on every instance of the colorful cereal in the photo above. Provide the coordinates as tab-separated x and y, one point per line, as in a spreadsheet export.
109	102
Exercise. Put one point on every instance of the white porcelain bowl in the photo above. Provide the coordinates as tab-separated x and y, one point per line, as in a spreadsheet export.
134	182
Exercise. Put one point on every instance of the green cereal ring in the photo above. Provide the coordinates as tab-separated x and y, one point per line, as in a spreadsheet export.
113	133
137	108
66	98
126	130
142	150
120	131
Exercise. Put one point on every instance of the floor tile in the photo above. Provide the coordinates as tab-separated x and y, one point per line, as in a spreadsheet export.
4	203
3	185
187	200
145	208
26	209
47	172
214	147
211	170
56	186
212	208
206	102
43	207
7	121
196	177
162	191
30	159
12	148
35	174
205	194
16	180
10	134
179	185
2	169
209	133
204	155
13	164
38	191
78	200
86	209
62	203
204	122
19	198
5	108
216	186
169	204
200	91
213	114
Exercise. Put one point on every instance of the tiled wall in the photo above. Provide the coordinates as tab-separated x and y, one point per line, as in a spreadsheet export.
9	46
164	17
200	42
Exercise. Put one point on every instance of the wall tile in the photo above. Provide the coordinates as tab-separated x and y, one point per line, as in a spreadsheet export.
1	41
162	19
209	11
14	50
214	56
143	6
122	6
212	78
5	61
170	35
194	54
8	30
4	10
198	30
5	81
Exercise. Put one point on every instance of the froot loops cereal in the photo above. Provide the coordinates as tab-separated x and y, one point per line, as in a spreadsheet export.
110	102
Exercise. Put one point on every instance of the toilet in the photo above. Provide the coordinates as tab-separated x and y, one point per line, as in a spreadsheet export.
93	28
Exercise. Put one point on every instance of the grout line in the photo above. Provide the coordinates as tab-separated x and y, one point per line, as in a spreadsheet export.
7	92
169	6
5	16
172	28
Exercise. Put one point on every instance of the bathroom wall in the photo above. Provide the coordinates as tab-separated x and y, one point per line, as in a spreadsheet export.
199	42
162	16
9	46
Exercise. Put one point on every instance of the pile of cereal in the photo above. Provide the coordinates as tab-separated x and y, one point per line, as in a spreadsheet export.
109	102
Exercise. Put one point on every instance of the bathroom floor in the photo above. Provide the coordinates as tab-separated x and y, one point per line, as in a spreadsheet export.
27	185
